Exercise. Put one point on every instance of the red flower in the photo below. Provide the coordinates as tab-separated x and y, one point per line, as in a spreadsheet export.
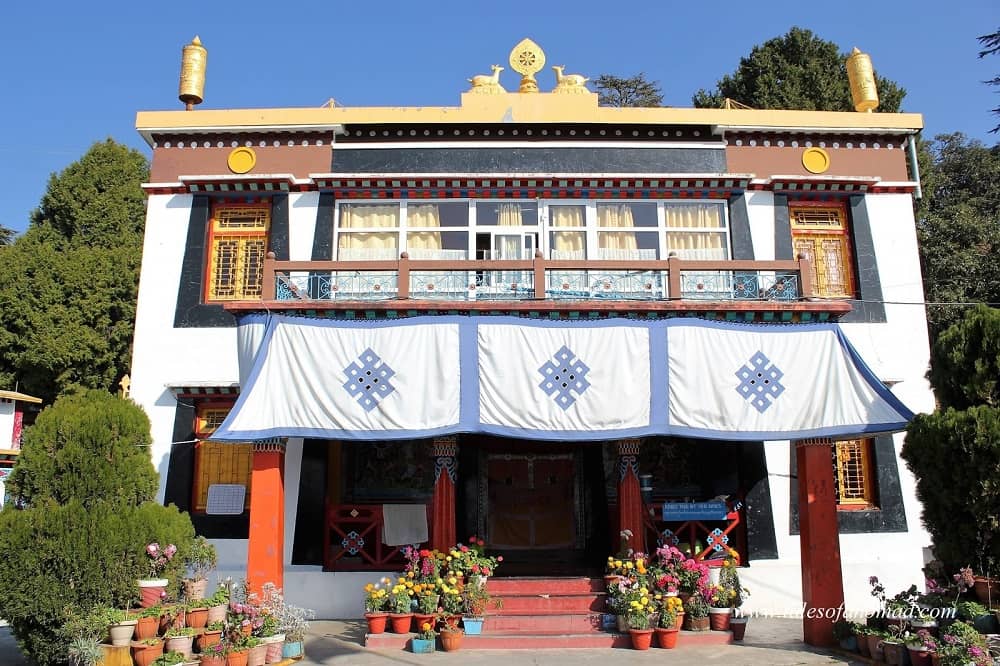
464	549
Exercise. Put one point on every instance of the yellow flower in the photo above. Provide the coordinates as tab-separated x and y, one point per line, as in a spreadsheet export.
643	590
409	584
658	596
453	581
628	565
439	580
426	626
611	558
409	574
369	587
726	563
401	580
618	563
448	559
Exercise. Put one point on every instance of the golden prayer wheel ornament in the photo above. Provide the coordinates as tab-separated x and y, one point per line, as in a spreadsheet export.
861	76
527	59
194	60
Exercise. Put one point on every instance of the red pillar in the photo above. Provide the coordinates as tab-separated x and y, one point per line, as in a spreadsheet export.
443	501
630	508
265	554
819	540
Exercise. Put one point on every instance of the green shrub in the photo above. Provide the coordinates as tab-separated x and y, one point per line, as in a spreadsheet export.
65	554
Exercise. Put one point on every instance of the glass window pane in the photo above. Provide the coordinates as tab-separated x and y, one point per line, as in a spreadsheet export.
627	245
506	213
438	214
694	216
567	216
367	246
631	214
695	245
369	216
437	244
567	245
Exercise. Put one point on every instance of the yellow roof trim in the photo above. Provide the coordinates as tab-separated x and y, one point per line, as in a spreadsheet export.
14	395
518	108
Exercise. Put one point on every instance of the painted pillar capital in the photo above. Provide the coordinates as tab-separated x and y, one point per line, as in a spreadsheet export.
271	445
813	441
446	458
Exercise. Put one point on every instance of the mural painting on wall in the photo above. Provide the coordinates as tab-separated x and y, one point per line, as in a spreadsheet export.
669	461
392	470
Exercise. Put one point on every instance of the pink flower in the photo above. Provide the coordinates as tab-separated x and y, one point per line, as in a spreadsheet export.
153	549
170	551
499	558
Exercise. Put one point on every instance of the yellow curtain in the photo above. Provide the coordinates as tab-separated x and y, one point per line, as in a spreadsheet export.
424	215
568	241
695	244
509	215
355	216
616	215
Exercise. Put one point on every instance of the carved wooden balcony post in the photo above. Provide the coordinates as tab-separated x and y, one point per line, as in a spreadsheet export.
443	534
403	280
630	507
268	288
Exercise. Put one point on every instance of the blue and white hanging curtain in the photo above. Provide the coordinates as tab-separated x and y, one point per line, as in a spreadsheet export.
553	380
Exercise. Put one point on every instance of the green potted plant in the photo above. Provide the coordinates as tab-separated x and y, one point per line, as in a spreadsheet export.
294	625
199	560
147	622
214	655
219	601
210	636
637	615
170	659
423	642
84	651
272	606
399	606
119	625
180	640
921	646
696	613
145	651
451	637
152	587
667	632
476	601
845	633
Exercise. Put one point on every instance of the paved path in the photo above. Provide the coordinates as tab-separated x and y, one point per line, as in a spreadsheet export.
769	642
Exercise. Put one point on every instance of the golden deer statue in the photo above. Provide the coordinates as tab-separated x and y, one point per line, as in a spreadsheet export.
487	83
569	82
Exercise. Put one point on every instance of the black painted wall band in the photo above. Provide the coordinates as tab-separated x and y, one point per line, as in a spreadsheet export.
762	543
322	249
180	482
529	160
891	514
782	229
870	308
739	227
310	512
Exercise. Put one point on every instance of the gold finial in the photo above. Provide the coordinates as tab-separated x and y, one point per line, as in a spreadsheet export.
527	59
861	76
487	84
126	385
569	83
194	59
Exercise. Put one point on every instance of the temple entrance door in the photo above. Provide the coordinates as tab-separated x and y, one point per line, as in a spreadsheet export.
532	502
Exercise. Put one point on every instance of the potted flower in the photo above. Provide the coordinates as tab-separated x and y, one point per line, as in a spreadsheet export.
637	615
668	631
480	566
170	659
400	606
376	598
696	613
272	605
719	610
921	647
451	637
147	622
423	642
476	600
200	560
153	588
212	635
180	640
257	654
219	602
427	603
214	655
117	623
451	602
845	633
294	625
172	616
146	651
84	651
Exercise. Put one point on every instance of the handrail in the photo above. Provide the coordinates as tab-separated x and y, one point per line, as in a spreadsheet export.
673	266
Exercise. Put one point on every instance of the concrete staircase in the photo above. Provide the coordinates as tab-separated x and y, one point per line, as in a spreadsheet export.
540	613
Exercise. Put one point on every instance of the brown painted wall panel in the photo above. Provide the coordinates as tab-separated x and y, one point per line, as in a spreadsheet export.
298	160
765	161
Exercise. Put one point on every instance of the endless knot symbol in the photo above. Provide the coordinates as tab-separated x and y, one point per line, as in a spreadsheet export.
760	382
368	380
564	375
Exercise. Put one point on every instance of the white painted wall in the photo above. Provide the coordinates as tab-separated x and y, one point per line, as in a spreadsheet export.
896	350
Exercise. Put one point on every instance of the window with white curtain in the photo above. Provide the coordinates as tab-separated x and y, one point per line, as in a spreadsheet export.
368	231
696	230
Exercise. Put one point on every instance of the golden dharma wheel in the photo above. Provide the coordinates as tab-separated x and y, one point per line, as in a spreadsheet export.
861	76
194	60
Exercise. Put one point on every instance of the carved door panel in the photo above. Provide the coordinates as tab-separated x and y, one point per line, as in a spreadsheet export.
531	501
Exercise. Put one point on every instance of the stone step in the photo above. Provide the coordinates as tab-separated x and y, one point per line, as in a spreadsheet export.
521	604
538	641
566	623
542	585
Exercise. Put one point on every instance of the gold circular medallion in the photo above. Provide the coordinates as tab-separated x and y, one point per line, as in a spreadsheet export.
527	58
241	160
815	160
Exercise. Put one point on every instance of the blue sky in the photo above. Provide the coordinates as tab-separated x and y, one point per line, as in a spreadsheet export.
75	72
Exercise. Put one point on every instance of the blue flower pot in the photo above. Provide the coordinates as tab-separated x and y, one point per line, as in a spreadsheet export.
473	625
421	646
609	622
292	650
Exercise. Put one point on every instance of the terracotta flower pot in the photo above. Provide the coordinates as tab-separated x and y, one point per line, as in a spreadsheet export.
863	645
181	644
144	655
257	655
237	658
217	613
641	638
696	623
987	590
208	639
718	619
893	653
195	589
875	647
920	657
419	619
400	622
275	646
451	640
213	660
151	591
146	627
680	620
667	638
376	622
196	617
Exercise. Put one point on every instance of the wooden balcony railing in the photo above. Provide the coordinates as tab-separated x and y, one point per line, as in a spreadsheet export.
352	539
536	279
